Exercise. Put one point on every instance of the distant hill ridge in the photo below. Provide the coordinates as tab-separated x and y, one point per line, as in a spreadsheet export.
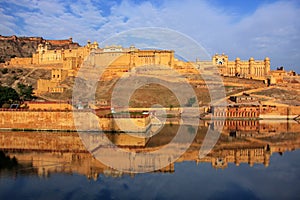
13	46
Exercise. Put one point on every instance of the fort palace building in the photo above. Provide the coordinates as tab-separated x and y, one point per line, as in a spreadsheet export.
254	69
66	62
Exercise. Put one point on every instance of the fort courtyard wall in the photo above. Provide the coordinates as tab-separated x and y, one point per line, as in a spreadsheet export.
20	61
64	120
35	105
37	120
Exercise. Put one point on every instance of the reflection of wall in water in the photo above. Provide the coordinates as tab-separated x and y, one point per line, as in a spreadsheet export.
254	127
48	120
236	111
64	152
47	163
250	155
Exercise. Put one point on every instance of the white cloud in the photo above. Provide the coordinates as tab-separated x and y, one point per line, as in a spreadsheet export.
272	30
7	23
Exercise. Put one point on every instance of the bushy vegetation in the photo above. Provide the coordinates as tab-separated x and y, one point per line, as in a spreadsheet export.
9	95
25	92
6	162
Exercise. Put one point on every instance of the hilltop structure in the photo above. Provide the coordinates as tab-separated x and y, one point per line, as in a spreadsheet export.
22	47
66	62
253	69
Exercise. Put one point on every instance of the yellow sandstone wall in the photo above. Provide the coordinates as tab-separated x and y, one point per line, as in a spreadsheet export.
45	86
49	120
48	106
20	61
64	120
128	124
42	141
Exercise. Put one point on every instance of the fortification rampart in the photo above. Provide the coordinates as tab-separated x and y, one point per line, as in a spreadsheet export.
64	120
36	120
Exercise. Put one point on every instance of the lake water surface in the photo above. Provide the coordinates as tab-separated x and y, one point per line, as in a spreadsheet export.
246	163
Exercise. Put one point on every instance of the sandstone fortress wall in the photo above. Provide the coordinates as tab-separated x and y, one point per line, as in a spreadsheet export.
64	120
66	62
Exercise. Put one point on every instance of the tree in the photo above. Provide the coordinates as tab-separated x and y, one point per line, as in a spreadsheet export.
8	95
25	92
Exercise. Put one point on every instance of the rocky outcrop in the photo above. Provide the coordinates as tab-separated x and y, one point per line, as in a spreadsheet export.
13	46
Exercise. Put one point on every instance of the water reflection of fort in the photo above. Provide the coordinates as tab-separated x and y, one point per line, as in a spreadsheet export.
256	127
251	142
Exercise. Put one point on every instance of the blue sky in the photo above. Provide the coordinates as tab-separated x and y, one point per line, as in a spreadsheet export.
257	28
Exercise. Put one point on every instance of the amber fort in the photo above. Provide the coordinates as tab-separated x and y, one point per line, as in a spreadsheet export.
66	63
248	83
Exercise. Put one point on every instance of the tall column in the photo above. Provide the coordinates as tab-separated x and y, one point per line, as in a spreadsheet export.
237	157
237	66
172	59
251	66
251	157
267	65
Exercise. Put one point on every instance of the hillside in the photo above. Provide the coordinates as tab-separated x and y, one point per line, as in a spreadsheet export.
13	46
10	77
